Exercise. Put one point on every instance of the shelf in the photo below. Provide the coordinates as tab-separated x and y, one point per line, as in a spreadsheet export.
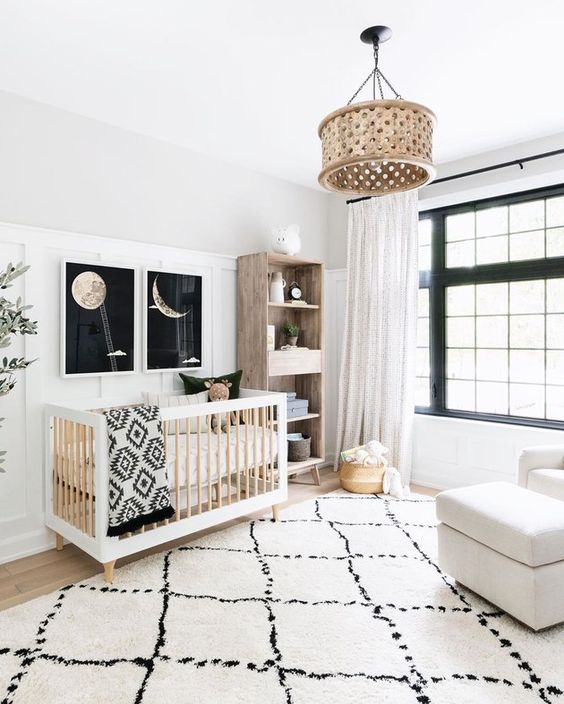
286	259
293	306
291	362
294	467
295	419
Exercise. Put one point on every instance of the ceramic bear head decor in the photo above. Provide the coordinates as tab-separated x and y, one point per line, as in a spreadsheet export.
218	390
286	239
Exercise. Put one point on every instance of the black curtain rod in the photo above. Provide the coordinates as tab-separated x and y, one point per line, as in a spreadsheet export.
483	170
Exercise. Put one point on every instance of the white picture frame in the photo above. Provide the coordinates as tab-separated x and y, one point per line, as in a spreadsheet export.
96	263
206	321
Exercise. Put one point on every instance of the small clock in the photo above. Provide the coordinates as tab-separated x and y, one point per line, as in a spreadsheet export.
294	292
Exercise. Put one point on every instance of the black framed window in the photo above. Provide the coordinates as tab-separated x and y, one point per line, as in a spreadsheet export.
490	338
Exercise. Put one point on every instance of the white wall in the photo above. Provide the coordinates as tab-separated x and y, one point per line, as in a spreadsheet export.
66	172
137	200
21	487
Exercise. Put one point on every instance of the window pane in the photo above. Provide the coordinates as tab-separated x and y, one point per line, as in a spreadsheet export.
423	302
424	258
555	331
491	365
555	368
526	216
460	254
460	300
555	296
460	395
492	221
526	297
492	397
460	332
526	400
491	250
526	331
459	227
491	331
491	299
555	402
425	231
422	361
422	395
423	332
555	242
460	364
555	211
526	245
526	366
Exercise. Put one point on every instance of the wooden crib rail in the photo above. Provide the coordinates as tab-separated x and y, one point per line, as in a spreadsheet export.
73	486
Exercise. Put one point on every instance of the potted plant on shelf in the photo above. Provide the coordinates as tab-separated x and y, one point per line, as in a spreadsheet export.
291	331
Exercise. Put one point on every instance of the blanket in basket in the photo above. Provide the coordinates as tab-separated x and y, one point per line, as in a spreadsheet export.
138	489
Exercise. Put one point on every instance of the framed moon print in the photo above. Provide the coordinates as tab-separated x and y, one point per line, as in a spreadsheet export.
98	319
173	321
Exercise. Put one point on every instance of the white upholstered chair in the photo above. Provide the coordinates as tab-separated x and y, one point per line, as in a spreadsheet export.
541	469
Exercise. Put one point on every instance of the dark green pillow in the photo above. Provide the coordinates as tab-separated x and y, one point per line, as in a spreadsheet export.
197	384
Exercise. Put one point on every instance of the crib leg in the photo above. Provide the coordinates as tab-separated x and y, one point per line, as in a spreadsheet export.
59	542
315	475
109	571
276	512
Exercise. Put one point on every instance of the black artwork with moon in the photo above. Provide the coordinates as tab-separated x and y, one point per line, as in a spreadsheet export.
99	319
174	320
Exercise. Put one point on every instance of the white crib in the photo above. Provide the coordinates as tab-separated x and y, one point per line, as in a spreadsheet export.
215	474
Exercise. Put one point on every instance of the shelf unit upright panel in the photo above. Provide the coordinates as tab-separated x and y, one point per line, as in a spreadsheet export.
302	371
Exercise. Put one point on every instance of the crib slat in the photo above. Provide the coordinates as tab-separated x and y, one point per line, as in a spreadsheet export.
199	465
255	443
246	455
83	474
73	472
165	434
218	459
209	422
177	467
187	469
237	455
271	414
228	457
55	477
91	492
263	447
61	468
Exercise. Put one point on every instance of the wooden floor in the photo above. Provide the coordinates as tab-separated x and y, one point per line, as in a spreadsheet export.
29	577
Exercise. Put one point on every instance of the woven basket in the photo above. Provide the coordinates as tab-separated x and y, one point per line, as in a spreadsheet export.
362	478
299	450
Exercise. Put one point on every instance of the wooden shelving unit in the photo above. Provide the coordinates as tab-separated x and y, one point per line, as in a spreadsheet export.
299	370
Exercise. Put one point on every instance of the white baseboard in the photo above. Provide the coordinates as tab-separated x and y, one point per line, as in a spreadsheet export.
26	544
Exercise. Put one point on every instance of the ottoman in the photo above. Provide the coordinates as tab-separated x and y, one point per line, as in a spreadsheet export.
506	544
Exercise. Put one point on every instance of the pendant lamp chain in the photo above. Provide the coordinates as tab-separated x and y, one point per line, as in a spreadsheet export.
376	74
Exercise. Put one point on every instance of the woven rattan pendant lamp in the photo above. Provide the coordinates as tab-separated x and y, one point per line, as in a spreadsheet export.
380	146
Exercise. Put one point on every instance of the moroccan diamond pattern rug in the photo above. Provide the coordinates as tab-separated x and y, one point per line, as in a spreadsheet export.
342	601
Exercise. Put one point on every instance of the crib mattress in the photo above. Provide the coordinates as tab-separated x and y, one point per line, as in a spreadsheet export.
217	469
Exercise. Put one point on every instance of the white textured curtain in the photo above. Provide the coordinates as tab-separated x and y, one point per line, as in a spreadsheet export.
377	377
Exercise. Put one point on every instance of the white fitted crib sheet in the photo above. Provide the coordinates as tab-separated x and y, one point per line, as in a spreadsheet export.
222	439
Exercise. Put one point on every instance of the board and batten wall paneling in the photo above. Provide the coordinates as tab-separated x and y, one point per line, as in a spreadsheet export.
21	487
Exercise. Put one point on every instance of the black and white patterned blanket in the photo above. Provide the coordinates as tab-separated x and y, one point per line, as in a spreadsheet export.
138	488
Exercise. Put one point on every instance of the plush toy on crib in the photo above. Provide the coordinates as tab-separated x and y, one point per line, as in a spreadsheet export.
219	391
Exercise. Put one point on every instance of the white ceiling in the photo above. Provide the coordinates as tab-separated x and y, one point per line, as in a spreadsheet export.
249	80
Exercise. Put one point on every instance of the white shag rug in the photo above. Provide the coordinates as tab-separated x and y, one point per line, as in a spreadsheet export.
341	602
